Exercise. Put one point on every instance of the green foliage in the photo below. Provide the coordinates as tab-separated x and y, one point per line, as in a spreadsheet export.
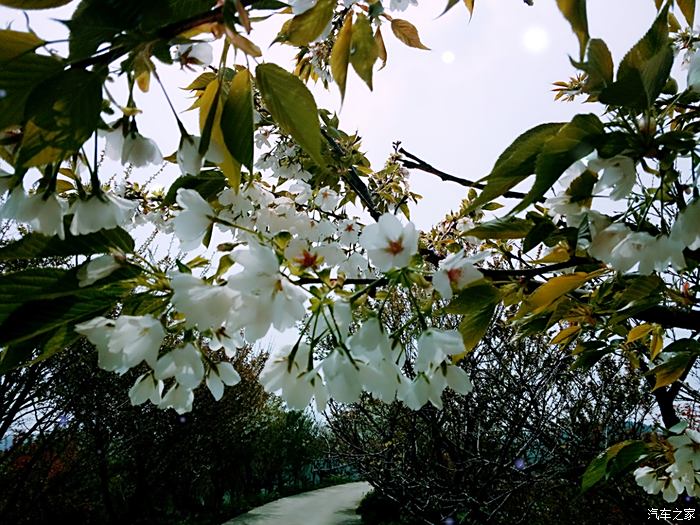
575	12
237	119
516	163
39	306
36	245
208	184
34	4
509	228
476	304
364	51
308	26
617	458
21	70
572	142
643	72
292	106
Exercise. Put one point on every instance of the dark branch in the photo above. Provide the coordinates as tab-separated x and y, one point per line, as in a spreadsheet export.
419	164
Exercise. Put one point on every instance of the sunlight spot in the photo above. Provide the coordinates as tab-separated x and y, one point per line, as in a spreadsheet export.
535	39
448	57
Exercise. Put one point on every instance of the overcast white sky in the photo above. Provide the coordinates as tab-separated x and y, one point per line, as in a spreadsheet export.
457	106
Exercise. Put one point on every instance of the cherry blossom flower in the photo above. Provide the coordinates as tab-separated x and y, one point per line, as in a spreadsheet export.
179	398
327	199
192	223
146	388
389	244
349	231
97	269
342	376
102	212
401	5
132	148
269	298
694	73
137	339
296	384
685	229
456	272
203	305
224	374
301	6
618	173
647	478
125	342
434	346
190	160
184	364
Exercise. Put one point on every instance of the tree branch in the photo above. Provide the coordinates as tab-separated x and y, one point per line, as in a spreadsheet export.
419	164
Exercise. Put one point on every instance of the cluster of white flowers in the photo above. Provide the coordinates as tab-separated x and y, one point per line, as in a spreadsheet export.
45	213
623	249
128	341
301	6
681	475
615	243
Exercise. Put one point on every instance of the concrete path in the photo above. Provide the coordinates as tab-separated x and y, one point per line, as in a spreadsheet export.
329	506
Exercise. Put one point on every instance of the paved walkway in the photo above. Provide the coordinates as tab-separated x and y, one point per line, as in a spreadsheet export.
329	506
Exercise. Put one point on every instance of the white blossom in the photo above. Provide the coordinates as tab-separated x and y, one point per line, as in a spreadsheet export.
389	244
224	374
179	398
694	73
401	5
184	364
203	305
97	269
190	160
192	223
456	271
296	384
102	212
327	199
618	173
146	388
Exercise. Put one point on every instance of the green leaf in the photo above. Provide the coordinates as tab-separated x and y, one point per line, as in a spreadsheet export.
208	184
516	163
407	33
237	119
558	286
575	12
538	233
308	26
644	71
34	4
573	141
21	70
340	55
363	49
510	228
599	66
452	3
688	9
64	111
292	106
476	304
616	459
683	353
36	245
595	471
125	23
